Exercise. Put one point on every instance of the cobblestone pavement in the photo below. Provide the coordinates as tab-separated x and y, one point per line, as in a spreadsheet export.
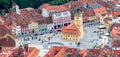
44	42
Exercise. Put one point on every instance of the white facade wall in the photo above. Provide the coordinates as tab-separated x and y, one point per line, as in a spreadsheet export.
50	26
62	17
16	30
45	13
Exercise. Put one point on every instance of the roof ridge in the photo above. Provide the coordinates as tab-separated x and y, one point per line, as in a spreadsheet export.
71	26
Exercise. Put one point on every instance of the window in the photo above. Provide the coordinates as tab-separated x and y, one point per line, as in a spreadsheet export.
77	18
68	35
68	23
55	27
75	39
54	10
22	33
59	26
65	13
42	29
58	14
65	24
118	15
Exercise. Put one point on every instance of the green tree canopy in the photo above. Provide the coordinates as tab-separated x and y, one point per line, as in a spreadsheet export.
58	2
6	4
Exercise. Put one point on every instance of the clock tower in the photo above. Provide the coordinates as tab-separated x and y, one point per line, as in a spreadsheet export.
78	20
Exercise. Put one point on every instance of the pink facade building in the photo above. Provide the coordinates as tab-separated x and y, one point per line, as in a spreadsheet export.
61	19
116	2
61	16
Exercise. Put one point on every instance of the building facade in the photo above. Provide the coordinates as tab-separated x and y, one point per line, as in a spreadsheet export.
42	27
24	28
61	19
46	9
50	27
33	27
75	30
16	30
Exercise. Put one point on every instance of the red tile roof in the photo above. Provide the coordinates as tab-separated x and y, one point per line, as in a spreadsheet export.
116	43
3	30
104	4
72	4
9	27
24	24
88	13
114	13
53	51
84	52
6	52
116	1
7	42
85	19
99	10
1	18
32	53
117	53
44	5
57	51
70	29
87	1
27	15
100	52
8	22
50	7
115	31
83	9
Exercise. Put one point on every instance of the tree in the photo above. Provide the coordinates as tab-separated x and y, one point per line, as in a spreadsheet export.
6	4
59	2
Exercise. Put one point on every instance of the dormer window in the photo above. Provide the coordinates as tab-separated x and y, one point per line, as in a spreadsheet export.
65	13
58	14
53	10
